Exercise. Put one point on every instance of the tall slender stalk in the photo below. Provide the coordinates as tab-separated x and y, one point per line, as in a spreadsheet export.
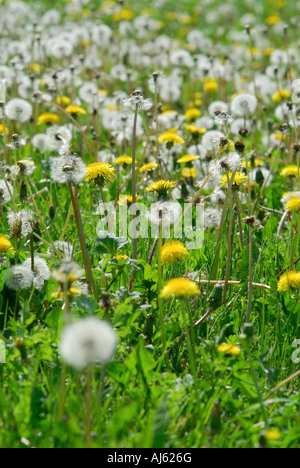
228	263
250	287
134	242
88	407
159	287
188	330
84	250
32	252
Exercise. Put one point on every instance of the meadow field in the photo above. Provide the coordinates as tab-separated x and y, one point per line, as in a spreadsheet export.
150	221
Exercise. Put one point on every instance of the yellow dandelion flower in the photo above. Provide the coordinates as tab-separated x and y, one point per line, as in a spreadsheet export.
281	94
185	19
272	20
173	252
35	67
71	292
229	349
239	179
272	434
210	86
293	205
148	167
73	109
197	102
180	288
63	100
48	118
290	280
121	257
5	245
3	130
188	158
123	160
124	14
171	15
194	130
290	171
99	172
257	162
279	136
268	51
161	187
187	173
171	137
127	200
192	114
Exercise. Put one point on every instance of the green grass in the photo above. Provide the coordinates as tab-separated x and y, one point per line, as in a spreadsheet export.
149	400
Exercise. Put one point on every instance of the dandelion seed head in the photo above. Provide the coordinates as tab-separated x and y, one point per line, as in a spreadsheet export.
67	169
19	277
88	342
41	272
18	110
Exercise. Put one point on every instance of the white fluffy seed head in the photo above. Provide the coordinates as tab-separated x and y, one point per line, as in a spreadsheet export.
21	223
19	277
87	342
164	213
67	169
18	110
211	140
243	105
5	192
41	272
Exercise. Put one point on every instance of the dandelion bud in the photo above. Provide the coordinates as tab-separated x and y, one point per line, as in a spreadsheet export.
215	422
243	132
250	220
223	142
52	210
239	146
2	92
259	177
23	192
155	76
296	149
148	330
216	296
20	345
106	303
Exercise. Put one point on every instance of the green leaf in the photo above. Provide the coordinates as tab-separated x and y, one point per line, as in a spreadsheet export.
109	243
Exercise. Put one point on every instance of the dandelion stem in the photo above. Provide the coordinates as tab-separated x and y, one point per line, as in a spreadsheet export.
32	252
153	250
228	263
134	241
88	407
283	383
249	305
62	395
159	287
84	250
188	334
236	197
